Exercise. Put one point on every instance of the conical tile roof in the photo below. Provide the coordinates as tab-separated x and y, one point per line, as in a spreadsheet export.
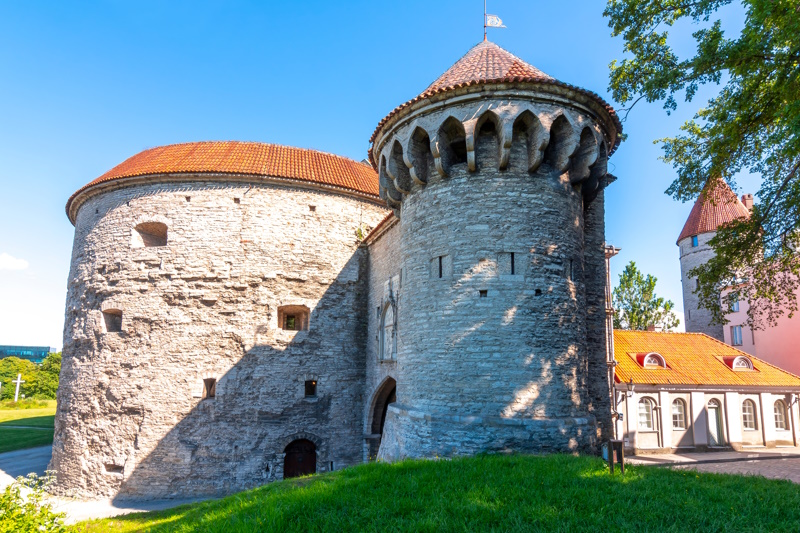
482	63
716	205
485	63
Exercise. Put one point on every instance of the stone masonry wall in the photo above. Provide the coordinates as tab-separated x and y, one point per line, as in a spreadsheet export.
697	320
131	419
385	288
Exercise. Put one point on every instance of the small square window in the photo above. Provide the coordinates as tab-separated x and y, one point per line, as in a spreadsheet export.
113	320
312	208
237	200
694	241
483	294
311	388
293	317
290	322
209	388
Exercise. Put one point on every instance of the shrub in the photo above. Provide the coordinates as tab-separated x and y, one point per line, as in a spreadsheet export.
23	508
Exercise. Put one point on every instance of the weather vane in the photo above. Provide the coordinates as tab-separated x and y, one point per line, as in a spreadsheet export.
490	21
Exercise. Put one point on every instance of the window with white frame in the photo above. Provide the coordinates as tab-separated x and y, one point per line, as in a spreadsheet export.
646	414
654	360
742	363
780	415
749	420
735	305
678	414
736	335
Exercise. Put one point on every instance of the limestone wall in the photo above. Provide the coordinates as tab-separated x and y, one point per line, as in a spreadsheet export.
131	419
385	289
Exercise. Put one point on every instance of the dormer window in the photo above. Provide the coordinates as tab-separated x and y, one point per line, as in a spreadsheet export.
742	363
651	360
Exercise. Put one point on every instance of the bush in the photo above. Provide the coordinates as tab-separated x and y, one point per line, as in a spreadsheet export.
23	510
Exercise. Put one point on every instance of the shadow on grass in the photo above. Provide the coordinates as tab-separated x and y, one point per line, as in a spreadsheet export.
34	421
20	439
490	493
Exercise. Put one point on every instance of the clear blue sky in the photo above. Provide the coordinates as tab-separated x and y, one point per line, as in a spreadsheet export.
85	85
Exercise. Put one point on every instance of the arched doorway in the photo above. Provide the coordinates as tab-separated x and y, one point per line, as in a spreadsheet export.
300	460
386	394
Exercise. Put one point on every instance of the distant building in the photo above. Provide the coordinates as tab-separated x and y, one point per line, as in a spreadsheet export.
31	353
691	391
777	344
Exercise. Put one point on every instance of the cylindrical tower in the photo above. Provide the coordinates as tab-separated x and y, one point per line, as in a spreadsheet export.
496	172
213	339
716	205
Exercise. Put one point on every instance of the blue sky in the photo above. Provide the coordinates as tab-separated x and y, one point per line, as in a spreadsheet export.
85	85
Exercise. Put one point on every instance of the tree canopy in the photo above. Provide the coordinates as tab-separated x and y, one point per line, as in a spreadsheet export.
752	124
636	305
41	381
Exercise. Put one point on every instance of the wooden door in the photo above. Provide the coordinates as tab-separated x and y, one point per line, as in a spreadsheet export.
300	460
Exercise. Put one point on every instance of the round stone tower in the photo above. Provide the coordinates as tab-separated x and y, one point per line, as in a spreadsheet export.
497	172
213	338
716	205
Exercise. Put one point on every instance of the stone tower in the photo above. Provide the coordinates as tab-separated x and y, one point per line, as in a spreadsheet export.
716	205
496	173
213	324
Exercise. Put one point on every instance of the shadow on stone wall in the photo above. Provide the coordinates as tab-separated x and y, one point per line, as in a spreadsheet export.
236	440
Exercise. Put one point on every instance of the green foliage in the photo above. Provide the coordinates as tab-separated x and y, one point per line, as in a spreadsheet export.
753	124
636	305
23	508
488	493
41	381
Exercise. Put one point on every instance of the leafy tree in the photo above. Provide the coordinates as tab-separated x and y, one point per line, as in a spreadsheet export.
24	507
753	124
636	305
45	381
9	368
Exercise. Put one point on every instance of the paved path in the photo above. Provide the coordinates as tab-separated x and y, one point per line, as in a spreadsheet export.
22	462
5	426
775	463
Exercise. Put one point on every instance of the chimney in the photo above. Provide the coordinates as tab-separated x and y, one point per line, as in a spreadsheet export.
747	200
654	327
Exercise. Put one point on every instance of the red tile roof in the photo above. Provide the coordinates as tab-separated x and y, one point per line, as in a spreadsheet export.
692	359
716	205
488	63
245	158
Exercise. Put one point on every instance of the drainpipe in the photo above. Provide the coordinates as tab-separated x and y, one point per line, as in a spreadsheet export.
611	362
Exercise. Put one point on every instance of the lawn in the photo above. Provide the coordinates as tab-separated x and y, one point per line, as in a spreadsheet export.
32	417
489	493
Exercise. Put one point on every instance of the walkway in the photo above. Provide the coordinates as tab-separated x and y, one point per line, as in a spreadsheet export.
22	462
775	463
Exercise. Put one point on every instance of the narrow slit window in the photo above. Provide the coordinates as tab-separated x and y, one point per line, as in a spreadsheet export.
440	265
311	388
513	270
209	388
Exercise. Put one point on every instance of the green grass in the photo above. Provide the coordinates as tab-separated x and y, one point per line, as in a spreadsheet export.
32	414
489	493
19	439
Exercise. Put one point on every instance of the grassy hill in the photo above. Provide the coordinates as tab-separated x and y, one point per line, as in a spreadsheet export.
489	493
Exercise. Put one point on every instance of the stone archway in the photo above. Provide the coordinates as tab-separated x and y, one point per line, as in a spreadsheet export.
385	395
300	458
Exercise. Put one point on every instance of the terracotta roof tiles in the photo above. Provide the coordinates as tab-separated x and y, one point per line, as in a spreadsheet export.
692	359
487	62
245	158
716	205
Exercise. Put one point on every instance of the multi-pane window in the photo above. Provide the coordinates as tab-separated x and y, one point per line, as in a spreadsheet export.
780	415
678	414
736	335
645	414
749	420
735	306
